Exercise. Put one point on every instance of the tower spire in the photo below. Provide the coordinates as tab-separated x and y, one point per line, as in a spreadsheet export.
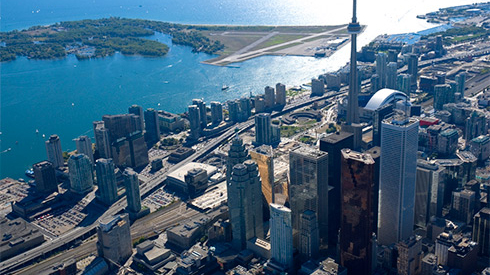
353	106
354	17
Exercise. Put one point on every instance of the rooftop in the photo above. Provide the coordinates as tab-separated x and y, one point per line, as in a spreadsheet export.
365	158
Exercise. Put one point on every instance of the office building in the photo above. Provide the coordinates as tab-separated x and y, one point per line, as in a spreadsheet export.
403	83
317	87
442	244
80	172
54	152
236	154
114	239
170	122
480	147
45	177
262	155
120	126
375	153
138	111
130	151
399	143
481	231
280	94
429	192
106	181
265	132
381	68
357	218
281	235
216	112
152	126
443	94
202	112
413	68
447	142
379	115
102	142
309	238
463	256
194	122
428	265
460	82
391	75
463	205
375	83
245	204
476	124
409	255
308	188
269	96
333	144
132	185
84	146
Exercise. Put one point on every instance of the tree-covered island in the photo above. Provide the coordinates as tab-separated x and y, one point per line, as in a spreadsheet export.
101	37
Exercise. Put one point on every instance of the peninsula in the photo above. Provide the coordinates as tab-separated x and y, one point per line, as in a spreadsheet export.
104	37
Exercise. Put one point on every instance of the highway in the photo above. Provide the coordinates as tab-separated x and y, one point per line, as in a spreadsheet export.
51	245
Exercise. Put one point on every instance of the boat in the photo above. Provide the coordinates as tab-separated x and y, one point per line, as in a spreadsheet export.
224	88
29	173
37	131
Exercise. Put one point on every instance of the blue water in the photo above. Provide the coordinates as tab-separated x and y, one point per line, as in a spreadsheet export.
64	96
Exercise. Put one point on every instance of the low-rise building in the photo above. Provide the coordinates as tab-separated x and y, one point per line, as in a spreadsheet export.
152	255
17	236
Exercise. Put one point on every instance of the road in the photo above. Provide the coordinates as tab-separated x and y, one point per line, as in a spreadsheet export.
51	245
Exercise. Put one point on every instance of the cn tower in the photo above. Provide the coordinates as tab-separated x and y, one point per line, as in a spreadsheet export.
353	106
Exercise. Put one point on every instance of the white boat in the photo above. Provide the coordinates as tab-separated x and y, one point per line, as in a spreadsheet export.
224	88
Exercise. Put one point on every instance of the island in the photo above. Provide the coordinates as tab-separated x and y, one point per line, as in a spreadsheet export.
92	38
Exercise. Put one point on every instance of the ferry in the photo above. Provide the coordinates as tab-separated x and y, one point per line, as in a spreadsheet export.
29	173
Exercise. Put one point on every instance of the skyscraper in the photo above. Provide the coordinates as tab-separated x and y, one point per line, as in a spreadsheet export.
413	68
391	75
114	239
280	94
152	127
357	218
138	110
409	255
442	95
45	177
245	204
132	185
381	62
236	154
308	188
54	152
102	143
309	239
106	181
399	143
352	99
262	155
130	151
269	97
463	205
317	87
460	82
194	122
429	192
403	83
481	231
120	126
84	146
265	132
80	171
202	112
216	112
281	235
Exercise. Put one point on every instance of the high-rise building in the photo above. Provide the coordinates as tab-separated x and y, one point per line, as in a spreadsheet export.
269	97
309	238
476	125
357	218
195	122
375	153
216	112
447	142
381	67
102	143
391	75
84	146
429	192
80	171
460	82
262	155
413	68
399	143
308	188
54	152
120	126
233	110
152	126
332	144
281	235
280	94
463	205
481	231
130	151
202	112
236	154
375	83
317	87
409	255
354	29
45	177
106	181
138	110
114	239
442	244
245	204
403	83
442	95
245	108
265	132
132	185
392	55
